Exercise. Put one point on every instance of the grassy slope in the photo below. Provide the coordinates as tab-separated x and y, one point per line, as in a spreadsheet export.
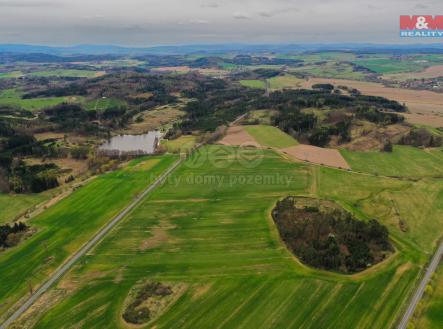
102	104
432	317
13	205
63	228
9	75
286	81
271	136
331	70
183	143
404	161
388	65
12	97
256	84
66	73
222	244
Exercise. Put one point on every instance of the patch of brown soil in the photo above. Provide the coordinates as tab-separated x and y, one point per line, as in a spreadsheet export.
435	121
201	290
48	135
119	276
430	72
153	119
159	236
318	155
172	69
416	100
212	72
238	136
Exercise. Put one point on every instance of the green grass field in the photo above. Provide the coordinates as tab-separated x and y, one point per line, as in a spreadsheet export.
333	70
404	161
209	228
261	117
256	84
66	73
13	205
271	136
12	97
389	65
276	83
65	227
431	308
183	143
10	75
286	81
102	104
321	56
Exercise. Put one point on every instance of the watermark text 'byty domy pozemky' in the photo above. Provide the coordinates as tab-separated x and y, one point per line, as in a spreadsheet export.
421	26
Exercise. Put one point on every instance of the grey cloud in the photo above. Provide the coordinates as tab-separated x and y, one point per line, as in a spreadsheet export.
238	15
421	6
210	5
146	22
198	21
28	4
266	14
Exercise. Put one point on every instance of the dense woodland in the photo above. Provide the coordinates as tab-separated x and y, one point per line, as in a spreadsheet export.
327	237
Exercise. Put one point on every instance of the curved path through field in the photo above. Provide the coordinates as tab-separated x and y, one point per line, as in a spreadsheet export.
421	288
87	247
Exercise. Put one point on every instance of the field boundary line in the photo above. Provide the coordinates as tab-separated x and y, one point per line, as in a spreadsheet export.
64	268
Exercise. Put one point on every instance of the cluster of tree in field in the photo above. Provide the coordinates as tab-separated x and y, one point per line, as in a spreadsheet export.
218	102
215	103
10	235
325	236
309	128
137	312
421	137
15	174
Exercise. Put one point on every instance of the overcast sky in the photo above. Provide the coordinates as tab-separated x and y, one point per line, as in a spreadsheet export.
159	22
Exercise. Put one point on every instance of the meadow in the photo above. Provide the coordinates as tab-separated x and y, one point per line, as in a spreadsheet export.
10	75
179	145
103	104
13	205
391	65
405	161
430	310
209	229
270	136
333	70
321	56
65	227
285	81
72	73
256	84
13	97
275	83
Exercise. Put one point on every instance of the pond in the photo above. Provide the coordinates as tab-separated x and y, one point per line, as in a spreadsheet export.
132	144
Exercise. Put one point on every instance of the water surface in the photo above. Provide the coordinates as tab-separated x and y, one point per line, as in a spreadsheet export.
146	143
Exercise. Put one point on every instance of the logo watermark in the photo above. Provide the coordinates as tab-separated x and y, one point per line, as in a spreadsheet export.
421	26
222	166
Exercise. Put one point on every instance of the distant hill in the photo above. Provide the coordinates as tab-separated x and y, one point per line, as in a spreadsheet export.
213	48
